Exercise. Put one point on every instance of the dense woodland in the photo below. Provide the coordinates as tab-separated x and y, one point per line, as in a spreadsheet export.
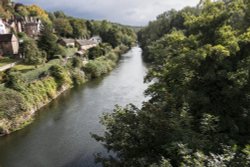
199	111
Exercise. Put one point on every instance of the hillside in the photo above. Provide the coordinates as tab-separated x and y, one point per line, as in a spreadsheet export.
43	54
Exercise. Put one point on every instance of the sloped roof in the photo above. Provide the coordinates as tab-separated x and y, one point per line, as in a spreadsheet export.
68	40
6	37
84	42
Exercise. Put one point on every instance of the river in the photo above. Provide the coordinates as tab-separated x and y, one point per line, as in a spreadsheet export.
60	134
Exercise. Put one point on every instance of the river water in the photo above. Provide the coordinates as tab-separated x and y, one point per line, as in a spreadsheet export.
60	134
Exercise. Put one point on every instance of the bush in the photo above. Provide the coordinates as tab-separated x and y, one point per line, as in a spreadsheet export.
77	62
60	75
15	81
78	77
11	103
40	91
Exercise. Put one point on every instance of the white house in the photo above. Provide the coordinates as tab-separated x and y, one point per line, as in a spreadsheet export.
2	27
96	39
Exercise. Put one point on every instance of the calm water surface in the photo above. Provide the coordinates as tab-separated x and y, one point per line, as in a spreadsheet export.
60	135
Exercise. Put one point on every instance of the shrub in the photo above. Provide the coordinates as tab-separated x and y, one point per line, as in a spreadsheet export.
40	91
15	81
60	75
77	62
78	77
11	103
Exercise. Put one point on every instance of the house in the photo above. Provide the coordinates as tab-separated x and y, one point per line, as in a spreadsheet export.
84	44
9	44
67	42
96	39
32	26
2	27
31	29
16	24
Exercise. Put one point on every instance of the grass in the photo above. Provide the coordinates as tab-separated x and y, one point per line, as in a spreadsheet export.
24	68
5	60
36	72
71	51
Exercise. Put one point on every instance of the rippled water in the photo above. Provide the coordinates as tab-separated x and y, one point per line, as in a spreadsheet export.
60	135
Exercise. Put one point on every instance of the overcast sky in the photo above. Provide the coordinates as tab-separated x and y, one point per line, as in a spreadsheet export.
130	12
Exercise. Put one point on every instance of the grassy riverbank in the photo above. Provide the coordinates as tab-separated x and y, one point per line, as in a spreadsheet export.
22	99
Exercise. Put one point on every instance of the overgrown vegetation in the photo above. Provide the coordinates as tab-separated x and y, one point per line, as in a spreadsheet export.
198	114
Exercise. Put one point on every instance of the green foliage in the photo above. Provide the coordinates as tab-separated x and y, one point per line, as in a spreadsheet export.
99	51
112	33
78	77
77	62
35	10
33	55
11	103
5	10
14	80
59	14
22	10
102	65
198	113
48	42
60	74
36	73
40	92
79	28
63	27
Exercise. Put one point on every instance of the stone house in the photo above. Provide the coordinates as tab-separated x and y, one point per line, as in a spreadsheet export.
9	45
30	25
84	44
67	42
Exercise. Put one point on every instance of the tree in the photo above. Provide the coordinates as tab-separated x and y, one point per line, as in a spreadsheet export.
63	27
99	51
22	10
5	11
35	10
59	14
199	99
48	42
112	35
79	28
31	52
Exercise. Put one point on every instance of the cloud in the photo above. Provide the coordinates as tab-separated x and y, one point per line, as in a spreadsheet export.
132	12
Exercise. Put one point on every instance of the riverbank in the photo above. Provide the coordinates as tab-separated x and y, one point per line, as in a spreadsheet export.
33	96
60	135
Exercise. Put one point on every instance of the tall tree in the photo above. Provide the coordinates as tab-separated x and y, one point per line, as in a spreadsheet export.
48	42
31	52
63	27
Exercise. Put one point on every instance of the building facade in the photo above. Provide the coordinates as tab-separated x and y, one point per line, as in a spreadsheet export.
9	45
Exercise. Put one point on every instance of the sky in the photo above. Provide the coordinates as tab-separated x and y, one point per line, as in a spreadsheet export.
129	12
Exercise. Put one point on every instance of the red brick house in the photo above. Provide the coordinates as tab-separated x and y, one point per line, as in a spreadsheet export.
9	45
